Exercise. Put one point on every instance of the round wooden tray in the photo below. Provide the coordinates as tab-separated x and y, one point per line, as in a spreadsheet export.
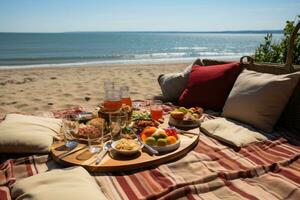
114	162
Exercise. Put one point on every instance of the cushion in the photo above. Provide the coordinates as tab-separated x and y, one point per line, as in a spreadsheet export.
173	84
61	184
231	132
291	114
259	98
208	87
27	134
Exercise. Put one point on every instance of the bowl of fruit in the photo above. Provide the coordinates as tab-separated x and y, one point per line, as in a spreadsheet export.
186	117
162	140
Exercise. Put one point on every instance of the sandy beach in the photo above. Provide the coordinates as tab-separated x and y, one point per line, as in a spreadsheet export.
36	90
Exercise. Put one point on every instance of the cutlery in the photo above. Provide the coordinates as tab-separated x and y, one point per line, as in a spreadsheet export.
107	146
186	133
153	151
71	152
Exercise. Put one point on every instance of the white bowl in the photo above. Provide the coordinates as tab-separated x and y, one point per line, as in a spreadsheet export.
125	152
167	148
184	123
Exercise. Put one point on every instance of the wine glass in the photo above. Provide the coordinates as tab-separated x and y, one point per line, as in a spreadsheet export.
123	121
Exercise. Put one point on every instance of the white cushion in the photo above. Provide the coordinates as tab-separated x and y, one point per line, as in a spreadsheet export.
61	184
258	99
28	134
231	132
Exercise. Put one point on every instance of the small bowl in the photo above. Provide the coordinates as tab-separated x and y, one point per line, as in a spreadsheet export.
184	123
126	152
167	148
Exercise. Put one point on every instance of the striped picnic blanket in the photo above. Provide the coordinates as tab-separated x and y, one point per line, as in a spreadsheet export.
266	170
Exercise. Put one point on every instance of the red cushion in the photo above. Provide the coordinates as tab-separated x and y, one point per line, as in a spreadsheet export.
209	87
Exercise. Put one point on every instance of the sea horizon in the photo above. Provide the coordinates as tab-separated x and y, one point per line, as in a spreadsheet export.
258	31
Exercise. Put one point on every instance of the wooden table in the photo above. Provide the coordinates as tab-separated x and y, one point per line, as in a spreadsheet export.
114	162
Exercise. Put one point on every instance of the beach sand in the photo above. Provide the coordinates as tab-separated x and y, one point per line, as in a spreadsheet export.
37	90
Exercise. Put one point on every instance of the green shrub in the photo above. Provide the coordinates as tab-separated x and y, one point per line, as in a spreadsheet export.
271	52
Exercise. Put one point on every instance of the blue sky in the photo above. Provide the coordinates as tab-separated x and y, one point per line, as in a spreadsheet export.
144	15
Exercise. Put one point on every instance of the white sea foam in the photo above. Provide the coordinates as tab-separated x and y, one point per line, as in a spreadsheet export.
191	48
161	55
130	61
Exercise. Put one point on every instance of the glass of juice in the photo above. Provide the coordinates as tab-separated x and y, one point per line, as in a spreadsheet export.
125	96
156	110
112	100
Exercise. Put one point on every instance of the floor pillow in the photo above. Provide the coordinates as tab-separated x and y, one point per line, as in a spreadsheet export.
28	134
258	99
208	87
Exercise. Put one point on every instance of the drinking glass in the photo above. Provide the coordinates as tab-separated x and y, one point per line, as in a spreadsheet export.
115	126
96	143
123	121
156	110
70	128
124	90
112	100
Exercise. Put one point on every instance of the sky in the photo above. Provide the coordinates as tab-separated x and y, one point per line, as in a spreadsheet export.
145	15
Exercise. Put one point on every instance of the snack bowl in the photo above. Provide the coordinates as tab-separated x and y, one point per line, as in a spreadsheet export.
167	148
184	123
186	117
121	146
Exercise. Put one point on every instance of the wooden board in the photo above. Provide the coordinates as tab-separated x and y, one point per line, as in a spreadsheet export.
114	162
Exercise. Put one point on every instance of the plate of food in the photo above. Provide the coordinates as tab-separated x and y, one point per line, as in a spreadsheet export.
126	147
186	117
92	129
142	119
162	140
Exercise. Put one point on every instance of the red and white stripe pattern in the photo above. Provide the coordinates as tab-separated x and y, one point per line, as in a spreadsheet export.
265	170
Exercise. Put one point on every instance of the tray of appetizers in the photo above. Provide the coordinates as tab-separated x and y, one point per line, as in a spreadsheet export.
129	152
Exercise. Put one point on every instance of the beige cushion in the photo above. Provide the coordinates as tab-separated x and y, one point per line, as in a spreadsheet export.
173	84
61	184
27	134
258	99
231	132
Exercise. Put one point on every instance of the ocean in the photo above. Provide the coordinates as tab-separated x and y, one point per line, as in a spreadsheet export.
78	48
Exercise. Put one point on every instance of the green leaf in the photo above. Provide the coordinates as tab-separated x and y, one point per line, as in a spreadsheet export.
276	52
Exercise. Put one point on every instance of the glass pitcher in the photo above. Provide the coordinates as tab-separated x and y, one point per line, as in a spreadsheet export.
125	95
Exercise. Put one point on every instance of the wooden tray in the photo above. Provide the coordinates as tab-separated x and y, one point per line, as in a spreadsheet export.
113	162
